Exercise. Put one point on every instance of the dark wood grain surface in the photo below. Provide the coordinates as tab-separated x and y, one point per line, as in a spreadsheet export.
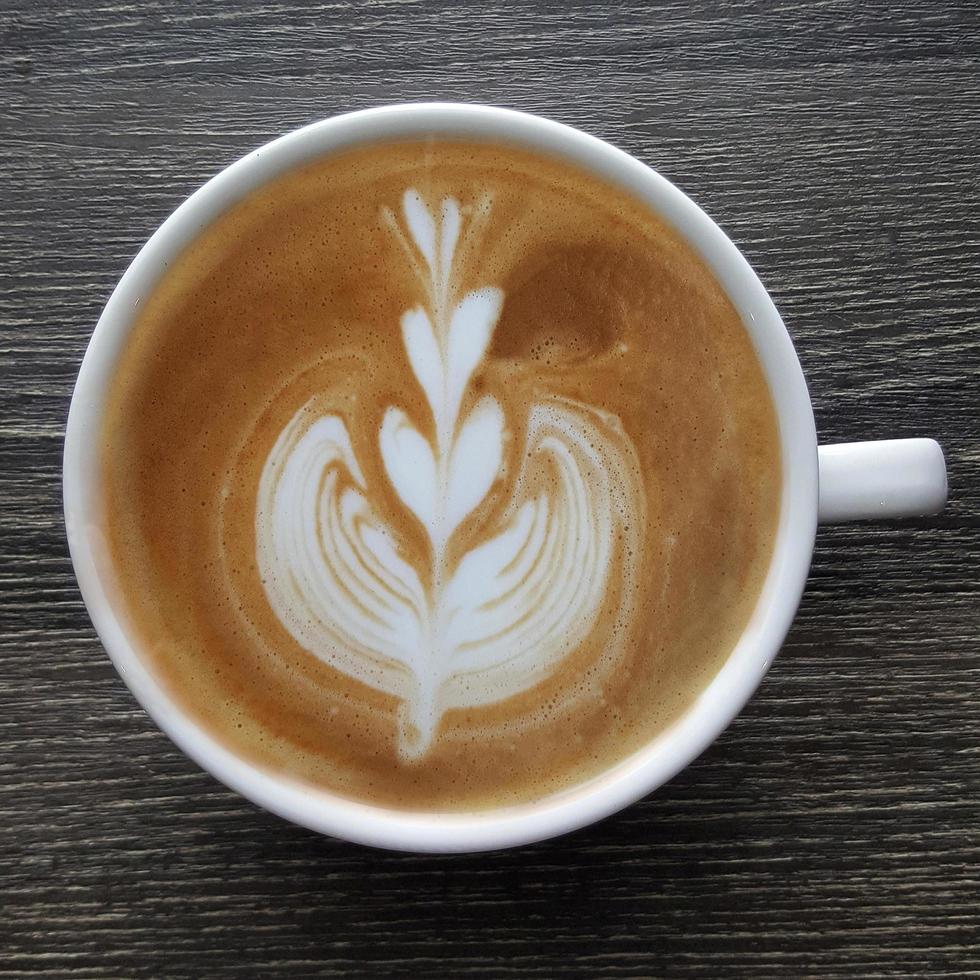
834	830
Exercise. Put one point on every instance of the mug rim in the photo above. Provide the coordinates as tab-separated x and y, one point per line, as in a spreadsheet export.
716	705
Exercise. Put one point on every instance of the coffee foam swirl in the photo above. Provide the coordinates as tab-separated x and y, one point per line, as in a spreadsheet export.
519	556
279	344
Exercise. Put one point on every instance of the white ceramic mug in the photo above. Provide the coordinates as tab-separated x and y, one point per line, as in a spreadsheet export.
858	480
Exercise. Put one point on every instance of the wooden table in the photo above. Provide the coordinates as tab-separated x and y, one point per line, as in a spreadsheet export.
834	831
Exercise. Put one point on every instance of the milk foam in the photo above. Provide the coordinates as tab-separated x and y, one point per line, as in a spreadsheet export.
321	660
495	619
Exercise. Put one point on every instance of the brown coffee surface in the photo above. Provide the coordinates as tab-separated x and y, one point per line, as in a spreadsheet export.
613	353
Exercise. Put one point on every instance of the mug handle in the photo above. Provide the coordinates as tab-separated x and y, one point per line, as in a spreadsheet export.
890	478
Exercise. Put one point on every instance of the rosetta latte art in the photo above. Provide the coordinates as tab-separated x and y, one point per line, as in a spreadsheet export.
485	620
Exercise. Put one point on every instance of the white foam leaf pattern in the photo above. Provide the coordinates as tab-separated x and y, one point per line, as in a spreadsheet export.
475	461
425	357
470	330
410	466
421	226
332	572
509	602
451	223
482	627
513	607
444	370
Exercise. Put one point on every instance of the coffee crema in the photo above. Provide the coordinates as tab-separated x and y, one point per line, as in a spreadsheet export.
441	475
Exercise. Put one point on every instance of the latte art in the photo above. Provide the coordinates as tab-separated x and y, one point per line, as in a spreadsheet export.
491	624
438	475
